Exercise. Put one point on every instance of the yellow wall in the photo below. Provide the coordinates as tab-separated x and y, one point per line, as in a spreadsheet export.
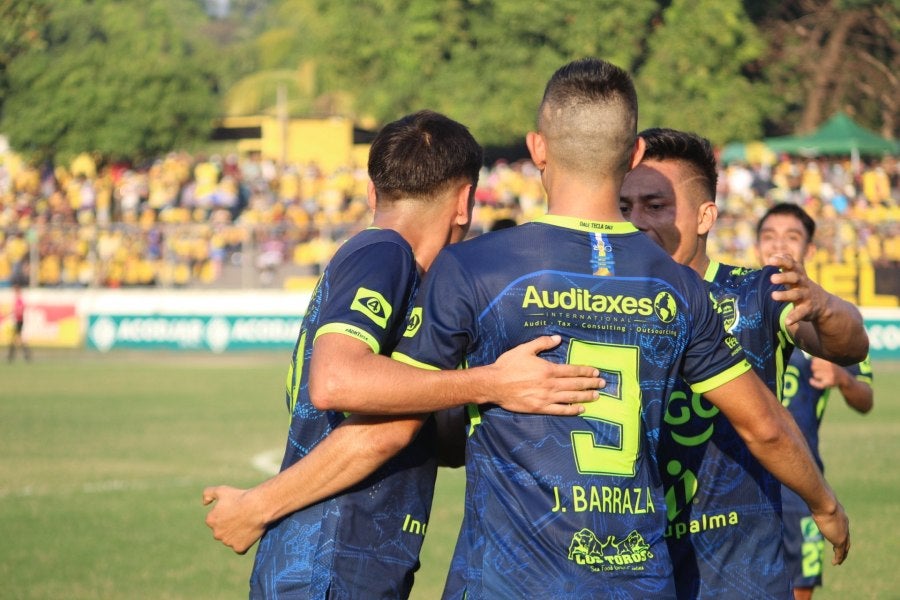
327	142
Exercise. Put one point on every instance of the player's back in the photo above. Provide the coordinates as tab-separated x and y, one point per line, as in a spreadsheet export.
364	542
571	505
724	507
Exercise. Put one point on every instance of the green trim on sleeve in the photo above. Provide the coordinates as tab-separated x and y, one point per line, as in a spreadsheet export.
701	387
784	329
474	412
408	360
352	331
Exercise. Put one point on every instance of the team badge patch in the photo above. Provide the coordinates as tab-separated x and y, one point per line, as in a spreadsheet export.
373	305
727	307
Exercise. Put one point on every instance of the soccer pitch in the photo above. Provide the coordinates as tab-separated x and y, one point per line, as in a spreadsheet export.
105	458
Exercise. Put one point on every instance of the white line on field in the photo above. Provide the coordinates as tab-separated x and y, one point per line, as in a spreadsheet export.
268	462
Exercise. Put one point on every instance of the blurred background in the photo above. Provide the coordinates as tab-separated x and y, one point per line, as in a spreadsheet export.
174	174
219	146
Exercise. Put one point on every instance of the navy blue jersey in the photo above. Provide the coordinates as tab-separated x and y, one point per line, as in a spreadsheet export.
803	544
365	542
806	403
560	507
724	508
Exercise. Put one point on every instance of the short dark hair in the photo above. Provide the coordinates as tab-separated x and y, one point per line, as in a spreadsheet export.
420	155
588	116
690	148
793	210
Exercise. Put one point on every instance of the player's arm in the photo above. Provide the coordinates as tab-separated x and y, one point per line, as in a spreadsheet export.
857	393
820	323
775	440
350	453
346	375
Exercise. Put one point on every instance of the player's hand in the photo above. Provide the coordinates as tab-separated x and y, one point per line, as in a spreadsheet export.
523	382
809	298
233	519
824	374
835	527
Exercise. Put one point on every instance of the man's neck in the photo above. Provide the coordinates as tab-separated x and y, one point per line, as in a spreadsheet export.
425	234
572	197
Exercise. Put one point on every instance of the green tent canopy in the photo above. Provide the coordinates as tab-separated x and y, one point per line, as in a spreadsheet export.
840	135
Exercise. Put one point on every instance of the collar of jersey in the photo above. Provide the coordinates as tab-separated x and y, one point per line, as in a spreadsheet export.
586	224
711	270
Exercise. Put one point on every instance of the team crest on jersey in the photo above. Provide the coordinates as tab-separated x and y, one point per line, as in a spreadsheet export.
414	322
664	306
630	553
728	308
373	305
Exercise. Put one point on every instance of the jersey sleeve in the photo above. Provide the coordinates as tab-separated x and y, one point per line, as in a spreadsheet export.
369	293
714	356
862	371
774	311
442	324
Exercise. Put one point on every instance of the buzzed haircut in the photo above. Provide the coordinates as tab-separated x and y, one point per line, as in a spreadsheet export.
421	155
693	150
589	118
786	208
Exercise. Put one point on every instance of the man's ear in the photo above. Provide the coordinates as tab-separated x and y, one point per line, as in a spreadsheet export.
371	196
465	202
637	154
707	216
537	147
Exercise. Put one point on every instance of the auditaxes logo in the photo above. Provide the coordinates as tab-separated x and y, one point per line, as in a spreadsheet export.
586	549
373	305
664	306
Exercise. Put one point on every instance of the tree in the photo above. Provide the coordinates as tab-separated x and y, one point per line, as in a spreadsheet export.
20	23
114	79
484	62
831	55
700	72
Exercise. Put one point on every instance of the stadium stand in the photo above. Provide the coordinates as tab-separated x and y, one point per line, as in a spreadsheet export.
230	222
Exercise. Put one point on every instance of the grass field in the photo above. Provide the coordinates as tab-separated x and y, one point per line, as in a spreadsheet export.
104	458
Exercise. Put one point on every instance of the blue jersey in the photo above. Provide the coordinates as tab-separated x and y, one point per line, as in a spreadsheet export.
560	507
724	508
807	403
363	543
803	544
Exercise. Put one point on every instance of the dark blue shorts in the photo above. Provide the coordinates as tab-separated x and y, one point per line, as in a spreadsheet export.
804	549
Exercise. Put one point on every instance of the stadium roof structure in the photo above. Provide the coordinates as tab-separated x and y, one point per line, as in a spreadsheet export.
839	135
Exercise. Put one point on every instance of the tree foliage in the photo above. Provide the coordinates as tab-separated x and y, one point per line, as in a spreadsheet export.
20	23
131	81
699	75
113	79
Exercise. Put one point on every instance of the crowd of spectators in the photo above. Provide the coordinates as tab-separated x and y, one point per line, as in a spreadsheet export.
190	220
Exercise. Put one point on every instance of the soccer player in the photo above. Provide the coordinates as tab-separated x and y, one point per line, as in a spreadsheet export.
723	505
808	381
573	506
366	541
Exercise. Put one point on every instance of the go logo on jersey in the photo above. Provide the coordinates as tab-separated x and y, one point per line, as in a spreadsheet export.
373	305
